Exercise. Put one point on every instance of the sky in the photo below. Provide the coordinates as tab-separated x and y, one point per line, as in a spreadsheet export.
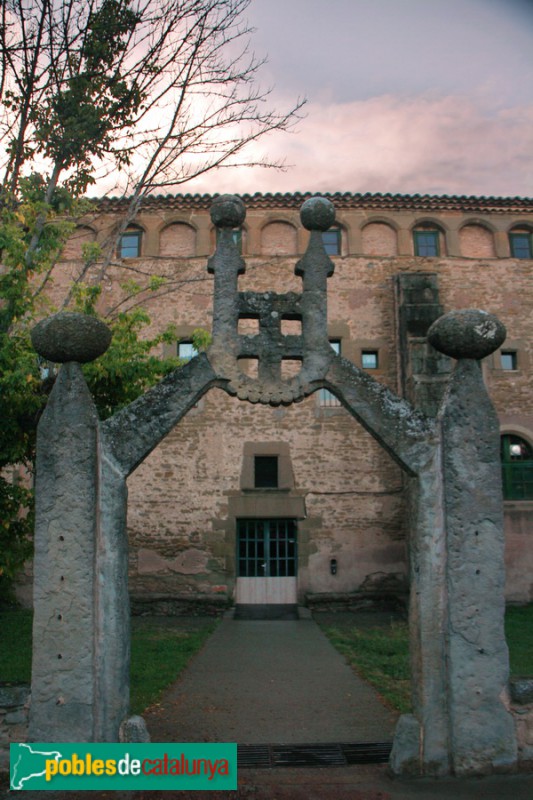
406	96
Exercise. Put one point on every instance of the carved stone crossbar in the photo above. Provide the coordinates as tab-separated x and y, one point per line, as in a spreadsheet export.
460	723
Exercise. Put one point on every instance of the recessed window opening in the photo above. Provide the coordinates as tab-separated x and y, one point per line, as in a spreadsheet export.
426	243
369	359
130	244
186	350
521	244
517	468
266	472
508	359
332	241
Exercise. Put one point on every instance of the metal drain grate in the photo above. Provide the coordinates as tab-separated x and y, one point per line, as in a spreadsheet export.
254	756
367	752
267	756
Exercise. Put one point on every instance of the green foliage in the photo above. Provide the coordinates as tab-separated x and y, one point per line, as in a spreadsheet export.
158	655
15	653
129	366
126	370
159	652
519	634
380	656
76	123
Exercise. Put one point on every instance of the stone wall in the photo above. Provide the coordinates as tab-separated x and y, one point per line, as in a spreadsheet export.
14	710
181	527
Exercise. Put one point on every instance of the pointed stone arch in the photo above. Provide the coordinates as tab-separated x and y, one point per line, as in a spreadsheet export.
460	724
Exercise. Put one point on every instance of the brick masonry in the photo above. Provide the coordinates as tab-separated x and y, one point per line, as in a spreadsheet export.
182	536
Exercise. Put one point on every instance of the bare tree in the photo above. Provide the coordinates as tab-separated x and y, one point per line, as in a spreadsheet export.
151	92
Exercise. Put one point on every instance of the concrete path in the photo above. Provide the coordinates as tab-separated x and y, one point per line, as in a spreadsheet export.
270	682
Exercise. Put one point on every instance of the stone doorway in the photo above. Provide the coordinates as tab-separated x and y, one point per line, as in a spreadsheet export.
267	569
461	722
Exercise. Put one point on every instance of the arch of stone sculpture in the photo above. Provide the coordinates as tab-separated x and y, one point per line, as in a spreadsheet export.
460	723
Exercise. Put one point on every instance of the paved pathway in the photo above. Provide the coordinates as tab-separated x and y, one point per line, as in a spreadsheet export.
270	682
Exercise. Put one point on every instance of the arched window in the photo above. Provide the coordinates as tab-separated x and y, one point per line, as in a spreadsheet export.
130	243
332	241
517	468
428	241
521	242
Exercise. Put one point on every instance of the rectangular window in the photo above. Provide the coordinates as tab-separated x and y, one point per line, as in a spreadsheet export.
521	245
369	359
327	399
130	244
332	242
508	359
426	243
186	351
266	472
267	548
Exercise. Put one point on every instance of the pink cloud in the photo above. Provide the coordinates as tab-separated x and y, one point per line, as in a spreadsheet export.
426	144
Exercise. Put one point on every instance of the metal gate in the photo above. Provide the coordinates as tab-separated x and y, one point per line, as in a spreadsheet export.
267	561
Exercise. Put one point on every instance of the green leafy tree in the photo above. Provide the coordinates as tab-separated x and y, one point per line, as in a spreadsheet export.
152	92
125	371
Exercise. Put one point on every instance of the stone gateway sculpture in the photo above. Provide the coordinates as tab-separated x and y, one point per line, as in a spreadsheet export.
461	723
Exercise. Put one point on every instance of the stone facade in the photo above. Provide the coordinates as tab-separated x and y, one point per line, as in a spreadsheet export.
346	493
444	435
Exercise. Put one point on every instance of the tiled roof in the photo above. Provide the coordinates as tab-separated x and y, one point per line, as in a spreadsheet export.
368	200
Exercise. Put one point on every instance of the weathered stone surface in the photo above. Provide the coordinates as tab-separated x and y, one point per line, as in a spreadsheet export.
459	658
63	687
482	729
521	690
405	755
134	730
68	336
317	214
228	211
13	696
469	333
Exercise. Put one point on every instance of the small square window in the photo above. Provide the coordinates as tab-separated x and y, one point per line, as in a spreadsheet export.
369	359
508	359
521	245
266	472
426	243
332	241
186	351
130	244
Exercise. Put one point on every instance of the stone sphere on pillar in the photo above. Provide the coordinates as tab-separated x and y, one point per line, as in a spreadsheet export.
228	211
468	333
69	336
317	214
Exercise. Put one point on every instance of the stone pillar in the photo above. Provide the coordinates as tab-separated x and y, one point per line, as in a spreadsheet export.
64	686
482	735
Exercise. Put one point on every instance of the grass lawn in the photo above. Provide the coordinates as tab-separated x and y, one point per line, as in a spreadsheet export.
160	649
380	654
